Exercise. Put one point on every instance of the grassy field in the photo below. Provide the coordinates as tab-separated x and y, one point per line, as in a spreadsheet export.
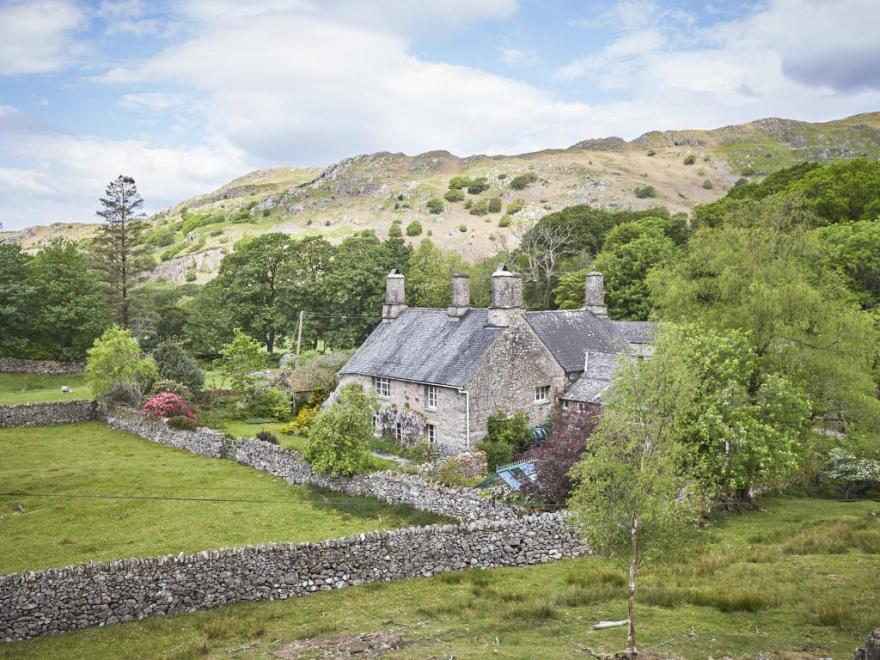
796	580
79	466
35	388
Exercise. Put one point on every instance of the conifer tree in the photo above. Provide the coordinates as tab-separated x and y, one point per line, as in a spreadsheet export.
118	248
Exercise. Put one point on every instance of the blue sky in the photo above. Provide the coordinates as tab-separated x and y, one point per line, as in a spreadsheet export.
186	95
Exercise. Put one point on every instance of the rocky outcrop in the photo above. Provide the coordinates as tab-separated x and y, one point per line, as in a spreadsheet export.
872	648
58	600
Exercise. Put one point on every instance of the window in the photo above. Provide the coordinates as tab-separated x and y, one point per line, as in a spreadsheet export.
382	386
398	431
431	431
431	397
378	426
542	394
582	407
565	404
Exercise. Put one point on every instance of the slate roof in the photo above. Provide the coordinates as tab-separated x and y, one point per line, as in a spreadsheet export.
595	380
637	332
426	346
569	334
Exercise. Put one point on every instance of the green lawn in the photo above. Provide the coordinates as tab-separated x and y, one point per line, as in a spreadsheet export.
34	388
82	465
797	578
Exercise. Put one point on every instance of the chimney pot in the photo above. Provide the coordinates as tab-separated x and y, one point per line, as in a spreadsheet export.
507	296
461	295
595	294
395	295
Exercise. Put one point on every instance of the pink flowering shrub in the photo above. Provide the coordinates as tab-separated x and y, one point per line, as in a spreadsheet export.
167	404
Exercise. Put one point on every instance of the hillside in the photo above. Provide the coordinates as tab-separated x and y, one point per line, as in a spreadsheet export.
373	191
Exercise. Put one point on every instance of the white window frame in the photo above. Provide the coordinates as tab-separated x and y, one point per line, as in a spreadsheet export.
432	394
431	431
398	431
565	403
382	386
542	394
378	426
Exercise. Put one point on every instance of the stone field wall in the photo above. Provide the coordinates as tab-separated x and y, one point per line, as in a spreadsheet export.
41	414
390	487
58	600
14	365
203	442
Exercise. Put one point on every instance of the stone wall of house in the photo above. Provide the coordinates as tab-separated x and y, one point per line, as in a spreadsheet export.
58	600
389	487
506	379
203	442
409	399
42	414
15	365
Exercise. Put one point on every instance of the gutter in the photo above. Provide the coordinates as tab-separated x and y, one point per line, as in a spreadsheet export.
467	416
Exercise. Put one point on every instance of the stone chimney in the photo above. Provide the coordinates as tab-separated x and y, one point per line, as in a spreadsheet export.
461	296
395	296
507	296
595	294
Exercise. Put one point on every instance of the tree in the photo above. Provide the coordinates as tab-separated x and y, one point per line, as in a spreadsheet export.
209	321
69	310
114	360
555	458
570	292
542	248
853	251
339	435
118	248
16	299
174	364
429	273
626	267
629	499
240	358
302	282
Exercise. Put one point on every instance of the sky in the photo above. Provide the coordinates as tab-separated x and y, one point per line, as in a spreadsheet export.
186	95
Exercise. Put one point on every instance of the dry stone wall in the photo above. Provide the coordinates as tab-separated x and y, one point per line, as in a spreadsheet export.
390	487
203	442
15	365
41	414
58	600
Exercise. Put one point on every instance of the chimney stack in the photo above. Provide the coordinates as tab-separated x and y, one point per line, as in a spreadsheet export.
507	296
395	296
595	294
461	296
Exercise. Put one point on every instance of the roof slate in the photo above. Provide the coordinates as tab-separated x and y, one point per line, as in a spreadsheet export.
595	380
426	346
569	334
637	332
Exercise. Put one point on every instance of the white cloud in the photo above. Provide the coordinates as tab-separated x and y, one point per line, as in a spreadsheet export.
36	37
151	101
518	57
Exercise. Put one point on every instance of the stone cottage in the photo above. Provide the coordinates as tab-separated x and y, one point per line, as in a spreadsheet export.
440	373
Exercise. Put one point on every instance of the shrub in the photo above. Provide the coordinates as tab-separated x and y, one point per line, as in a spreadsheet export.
505	221
264	402
124	394
289	428
740	182
707	184
435	206
851	475
651	152
459	182
643	192
240	358
183	423
266	436
414	228
339	435
478	185
502	176
174	364
172	386
115	359
462	228
453	195
505	436
516	206
191	275
522	181
479	208
395	231
494	205
690	159
165	405
555	458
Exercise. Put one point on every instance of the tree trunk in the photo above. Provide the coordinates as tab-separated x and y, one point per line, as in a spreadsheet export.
631	597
